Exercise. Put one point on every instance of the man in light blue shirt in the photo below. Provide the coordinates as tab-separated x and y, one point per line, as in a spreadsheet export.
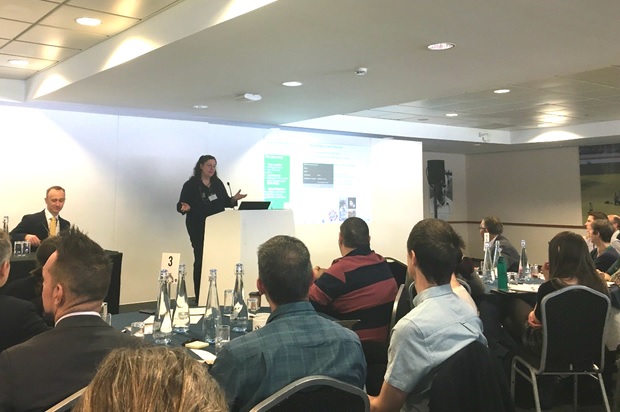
439	325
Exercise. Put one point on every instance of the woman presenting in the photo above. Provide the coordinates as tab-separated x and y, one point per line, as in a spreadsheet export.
203	195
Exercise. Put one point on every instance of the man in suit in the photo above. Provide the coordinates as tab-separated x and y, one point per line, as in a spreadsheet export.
38	226
18	318
51	366
494	227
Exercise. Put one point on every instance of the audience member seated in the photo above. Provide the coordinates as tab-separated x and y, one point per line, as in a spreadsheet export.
465	270
615	222
569	264
359	285
29	288
296	341
437	327
18	318
592	216
52	365
494	227
47	223
152	379
604	254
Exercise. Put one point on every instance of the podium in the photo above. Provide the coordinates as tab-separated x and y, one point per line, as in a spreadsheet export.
232	237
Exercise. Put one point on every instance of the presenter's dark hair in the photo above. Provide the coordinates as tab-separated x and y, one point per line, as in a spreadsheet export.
493	225
81	266
355	233
202	160
569	258
436	246
284	268
604	229
54	188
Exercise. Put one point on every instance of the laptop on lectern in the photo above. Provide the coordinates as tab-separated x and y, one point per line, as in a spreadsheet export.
254	205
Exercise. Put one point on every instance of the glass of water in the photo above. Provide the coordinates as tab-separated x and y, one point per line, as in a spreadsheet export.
253	306
228	298
222	337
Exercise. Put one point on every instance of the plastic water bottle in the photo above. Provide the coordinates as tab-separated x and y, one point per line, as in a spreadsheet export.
487	265
212	318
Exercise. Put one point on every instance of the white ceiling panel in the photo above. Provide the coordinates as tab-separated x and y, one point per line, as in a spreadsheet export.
61	37
29	11
137	9
39	51
110	25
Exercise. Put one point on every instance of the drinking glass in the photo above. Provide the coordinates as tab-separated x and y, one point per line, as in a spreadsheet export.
253	306
534	271
222	337
137	329
228	298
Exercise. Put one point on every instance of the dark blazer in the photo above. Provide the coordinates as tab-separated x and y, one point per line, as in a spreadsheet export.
53	365
18	321
35	224
509	252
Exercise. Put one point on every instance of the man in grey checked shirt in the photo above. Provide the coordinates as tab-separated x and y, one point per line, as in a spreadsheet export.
296	341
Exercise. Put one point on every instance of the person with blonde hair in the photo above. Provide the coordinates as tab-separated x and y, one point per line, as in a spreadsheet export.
152	379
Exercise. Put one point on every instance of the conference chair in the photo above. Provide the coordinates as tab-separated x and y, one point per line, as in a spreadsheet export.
470	380
574	322
399	270
316	393
68	403
464	284
402	305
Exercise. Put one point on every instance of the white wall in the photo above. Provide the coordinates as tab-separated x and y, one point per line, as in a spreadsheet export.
123	176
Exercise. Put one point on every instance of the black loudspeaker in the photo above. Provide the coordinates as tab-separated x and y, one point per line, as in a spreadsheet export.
435	172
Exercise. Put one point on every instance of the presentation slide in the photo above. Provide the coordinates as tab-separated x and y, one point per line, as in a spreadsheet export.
322	181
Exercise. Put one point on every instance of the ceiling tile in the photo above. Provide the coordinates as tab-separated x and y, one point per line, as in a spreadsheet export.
9	28
15	74
64	17
35	64
607	76
61	37
25	10
39	51
138	9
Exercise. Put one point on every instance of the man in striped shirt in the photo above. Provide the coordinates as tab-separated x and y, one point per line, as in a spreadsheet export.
359	285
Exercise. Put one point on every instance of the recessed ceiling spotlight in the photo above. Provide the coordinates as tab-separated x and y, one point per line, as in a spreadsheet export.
292	84
250	97
501	91
440	46
19	62
451	114
361	71
200	106
88	21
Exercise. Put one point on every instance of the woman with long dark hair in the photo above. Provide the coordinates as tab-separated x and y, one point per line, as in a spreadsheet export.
203	195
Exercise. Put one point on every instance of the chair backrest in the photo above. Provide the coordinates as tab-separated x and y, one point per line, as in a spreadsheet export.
398	268
469	380
574	322
402	306
464	284
316	393
68	403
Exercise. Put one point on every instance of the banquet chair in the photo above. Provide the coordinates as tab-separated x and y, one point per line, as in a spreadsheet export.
68	403
470	380
464	284
398	268
574	322
316	393
402	306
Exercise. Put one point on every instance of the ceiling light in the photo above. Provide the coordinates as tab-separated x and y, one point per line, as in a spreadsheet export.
200	106
554	118
19	62
292	84
88	21
250	97
440	46
501	91
361	71
452	114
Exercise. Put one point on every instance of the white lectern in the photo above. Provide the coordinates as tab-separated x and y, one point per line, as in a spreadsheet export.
232	237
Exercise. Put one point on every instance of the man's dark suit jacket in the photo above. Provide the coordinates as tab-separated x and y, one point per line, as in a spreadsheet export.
18	321
35	224
51	366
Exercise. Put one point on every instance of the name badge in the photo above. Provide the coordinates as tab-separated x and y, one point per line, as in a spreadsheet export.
212	197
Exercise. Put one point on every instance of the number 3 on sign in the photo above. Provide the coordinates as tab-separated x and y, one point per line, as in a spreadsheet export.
170	262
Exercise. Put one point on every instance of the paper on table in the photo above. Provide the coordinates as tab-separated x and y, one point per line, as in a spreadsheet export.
524	288
148	325
195	314
207	357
